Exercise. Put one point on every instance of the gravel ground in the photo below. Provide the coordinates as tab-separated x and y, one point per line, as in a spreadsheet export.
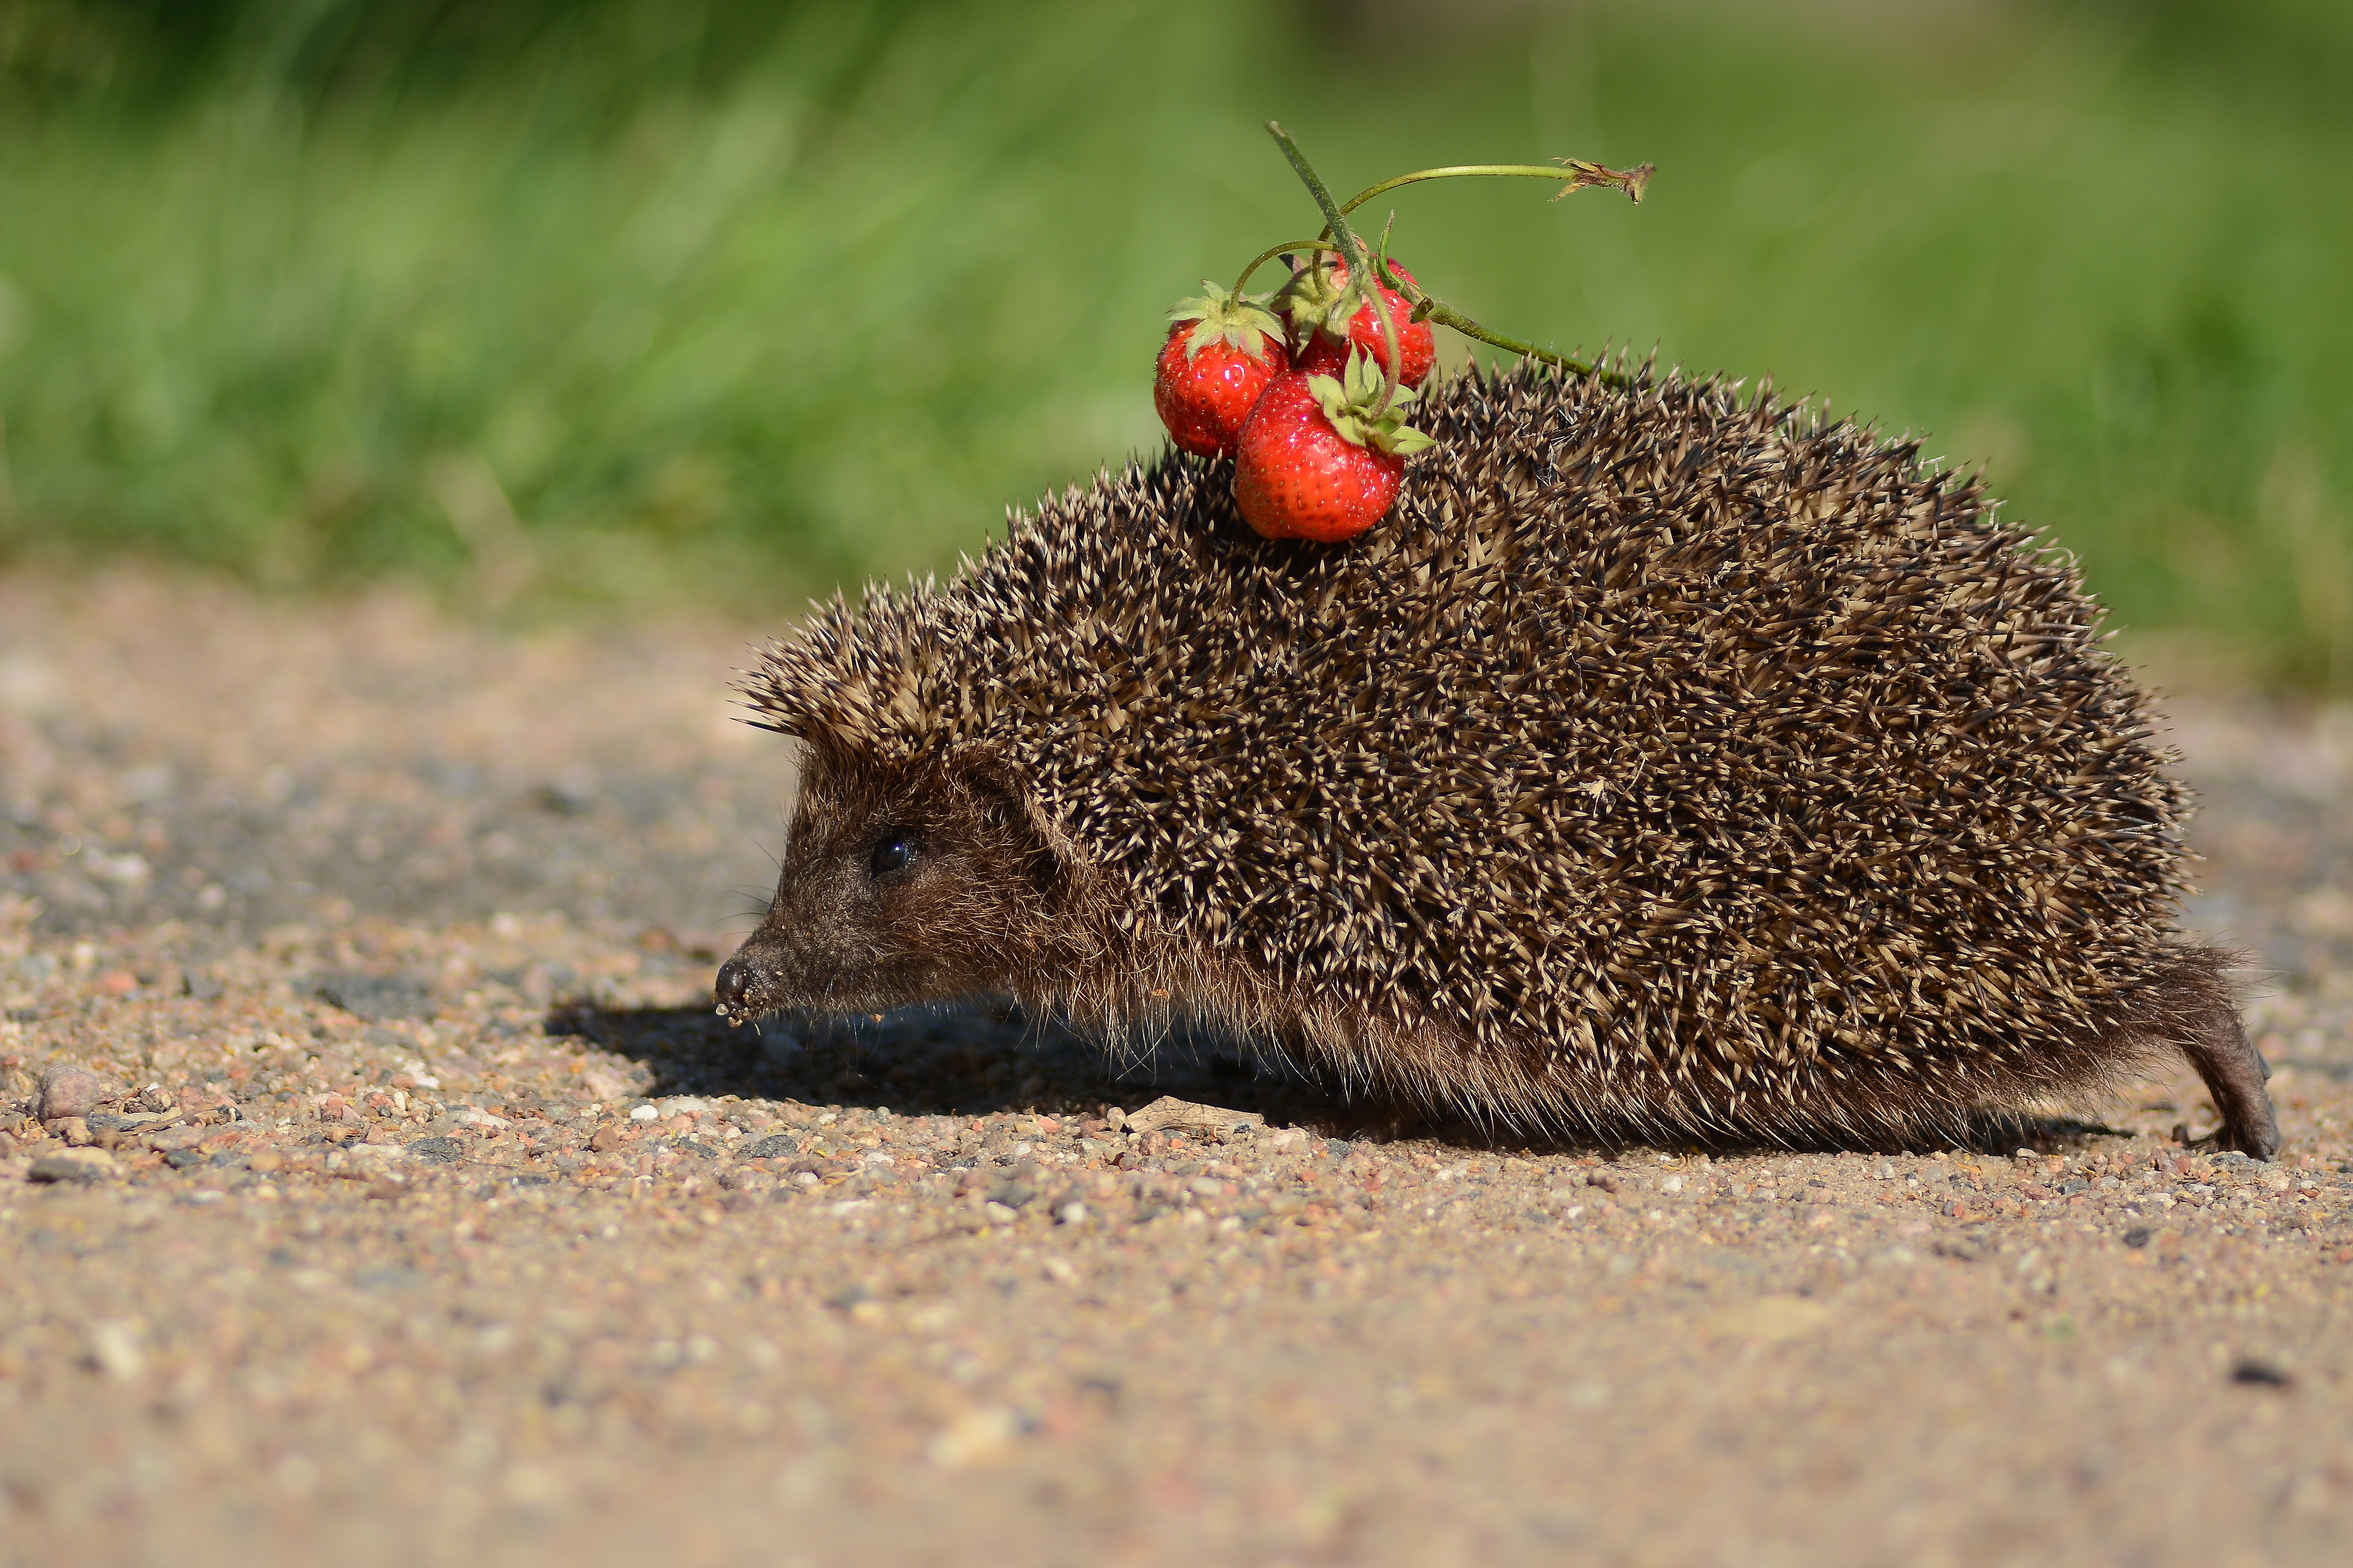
376	1186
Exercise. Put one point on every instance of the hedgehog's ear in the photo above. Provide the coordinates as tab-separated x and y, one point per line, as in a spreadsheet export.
1006	797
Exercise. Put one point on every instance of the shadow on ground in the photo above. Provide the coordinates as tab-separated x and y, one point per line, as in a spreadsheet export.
973	1061
983	1061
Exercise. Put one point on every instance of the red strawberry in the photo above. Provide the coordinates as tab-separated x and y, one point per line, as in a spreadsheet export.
1316	461
1318	297
1222	350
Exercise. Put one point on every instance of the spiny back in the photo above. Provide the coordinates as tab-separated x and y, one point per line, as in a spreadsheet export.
1693	736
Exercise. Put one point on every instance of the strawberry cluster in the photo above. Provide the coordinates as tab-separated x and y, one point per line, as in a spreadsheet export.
1306	387
1318	433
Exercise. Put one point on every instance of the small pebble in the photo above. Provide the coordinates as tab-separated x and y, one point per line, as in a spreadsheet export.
67	1091
115	1347
2255	1373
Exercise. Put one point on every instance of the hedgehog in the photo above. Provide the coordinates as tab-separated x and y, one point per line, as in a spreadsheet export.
1674	761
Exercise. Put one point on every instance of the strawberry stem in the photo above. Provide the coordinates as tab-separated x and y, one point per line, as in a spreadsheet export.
1360	266
1430	309
1576	172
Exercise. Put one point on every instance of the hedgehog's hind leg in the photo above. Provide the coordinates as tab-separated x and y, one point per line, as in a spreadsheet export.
2234	1072
2193	1010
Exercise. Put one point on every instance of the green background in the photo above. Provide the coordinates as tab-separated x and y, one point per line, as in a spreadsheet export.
598	307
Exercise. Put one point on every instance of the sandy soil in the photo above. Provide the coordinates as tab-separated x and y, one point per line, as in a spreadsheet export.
414	1208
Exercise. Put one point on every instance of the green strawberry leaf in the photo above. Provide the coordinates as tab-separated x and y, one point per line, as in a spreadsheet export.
1242	320
1211	302
1349	407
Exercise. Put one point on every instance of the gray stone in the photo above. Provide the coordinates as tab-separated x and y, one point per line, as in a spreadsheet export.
388	1277
377	997
87	1166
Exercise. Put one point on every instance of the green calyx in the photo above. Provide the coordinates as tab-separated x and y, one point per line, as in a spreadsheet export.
1312	298
1239	321
1358	412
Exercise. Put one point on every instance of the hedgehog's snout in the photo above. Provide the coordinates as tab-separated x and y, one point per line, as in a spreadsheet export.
777	967
732	989
759	979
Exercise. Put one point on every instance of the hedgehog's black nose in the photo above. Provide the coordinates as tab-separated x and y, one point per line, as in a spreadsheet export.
733	984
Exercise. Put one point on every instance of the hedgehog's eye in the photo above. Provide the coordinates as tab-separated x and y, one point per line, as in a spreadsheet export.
892	851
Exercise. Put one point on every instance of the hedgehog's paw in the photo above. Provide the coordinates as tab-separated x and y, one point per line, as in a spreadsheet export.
2258	1137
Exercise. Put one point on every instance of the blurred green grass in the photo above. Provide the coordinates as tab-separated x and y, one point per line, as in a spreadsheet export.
621	303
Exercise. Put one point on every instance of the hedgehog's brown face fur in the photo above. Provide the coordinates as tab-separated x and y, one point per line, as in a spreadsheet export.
901	884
